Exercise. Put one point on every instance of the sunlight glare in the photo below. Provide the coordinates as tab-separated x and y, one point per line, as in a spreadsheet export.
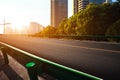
15	17
1	30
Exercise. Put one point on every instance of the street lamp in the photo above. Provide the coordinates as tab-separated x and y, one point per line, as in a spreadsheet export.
4	25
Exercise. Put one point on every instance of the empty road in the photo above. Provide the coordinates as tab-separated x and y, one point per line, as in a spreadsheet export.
100	59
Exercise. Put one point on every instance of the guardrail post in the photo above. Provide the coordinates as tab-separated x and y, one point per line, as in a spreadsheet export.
32	70
4	52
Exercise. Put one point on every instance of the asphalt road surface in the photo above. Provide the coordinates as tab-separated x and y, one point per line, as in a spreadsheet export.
100	59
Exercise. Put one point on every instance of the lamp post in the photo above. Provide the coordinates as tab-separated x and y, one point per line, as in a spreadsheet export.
4	23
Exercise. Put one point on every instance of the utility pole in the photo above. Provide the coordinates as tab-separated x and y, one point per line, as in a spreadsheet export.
4	23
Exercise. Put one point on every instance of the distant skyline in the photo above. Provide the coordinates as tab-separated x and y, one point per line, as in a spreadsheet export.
27	11
20	12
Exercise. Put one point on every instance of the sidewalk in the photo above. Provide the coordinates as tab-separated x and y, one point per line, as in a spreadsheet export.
13	71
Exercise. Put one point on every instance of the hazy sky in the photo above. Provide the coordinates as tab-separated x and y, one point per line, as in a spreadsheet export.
21	12
24	11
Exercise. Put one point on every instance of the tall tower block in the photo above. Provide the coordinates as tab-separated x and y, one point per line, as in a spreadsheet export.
59	11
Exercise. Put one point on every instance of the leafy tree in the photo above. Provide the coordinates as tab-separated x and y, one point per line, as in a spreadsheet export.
61	27
72	24
118	1
94	20
49	30
114	29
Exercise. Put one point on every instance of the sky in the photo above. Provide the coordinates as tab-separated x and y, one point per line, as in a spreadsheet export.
20	12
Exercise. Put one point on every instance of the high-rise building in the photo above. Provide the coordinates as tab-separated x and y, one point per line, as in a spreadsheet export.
59	11
108	1
34	27
81	4
75	6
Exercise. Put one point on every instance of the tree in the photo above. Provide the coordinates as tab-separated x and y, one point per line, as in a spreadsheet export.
49	30
72	24
61	27
91	21
94	20
118	1
114	30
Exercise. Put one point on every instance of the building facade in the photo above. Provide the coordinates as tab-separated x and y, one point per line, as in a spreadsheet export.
34	27
59	11
81	4
75	6
108	1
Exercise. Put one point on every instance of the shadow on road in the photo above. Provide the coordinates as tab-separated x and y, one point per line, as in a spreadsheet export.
9	72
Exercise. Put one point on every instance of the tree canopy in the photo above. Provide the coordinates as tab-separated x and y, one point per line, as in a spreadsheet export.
94	20
49	30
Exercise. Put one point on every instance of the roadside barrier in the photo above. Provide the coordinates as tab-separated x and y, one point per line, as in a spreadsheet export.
37	66
83	37
32	70
4	52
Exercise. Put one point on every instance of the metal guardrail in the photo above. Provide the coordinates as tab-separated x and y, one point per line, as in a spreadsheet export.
37	65
84	37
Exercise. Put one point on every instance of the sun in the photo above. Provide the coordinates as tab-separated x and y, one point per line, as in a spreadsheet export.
17	18
18	22
18	25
